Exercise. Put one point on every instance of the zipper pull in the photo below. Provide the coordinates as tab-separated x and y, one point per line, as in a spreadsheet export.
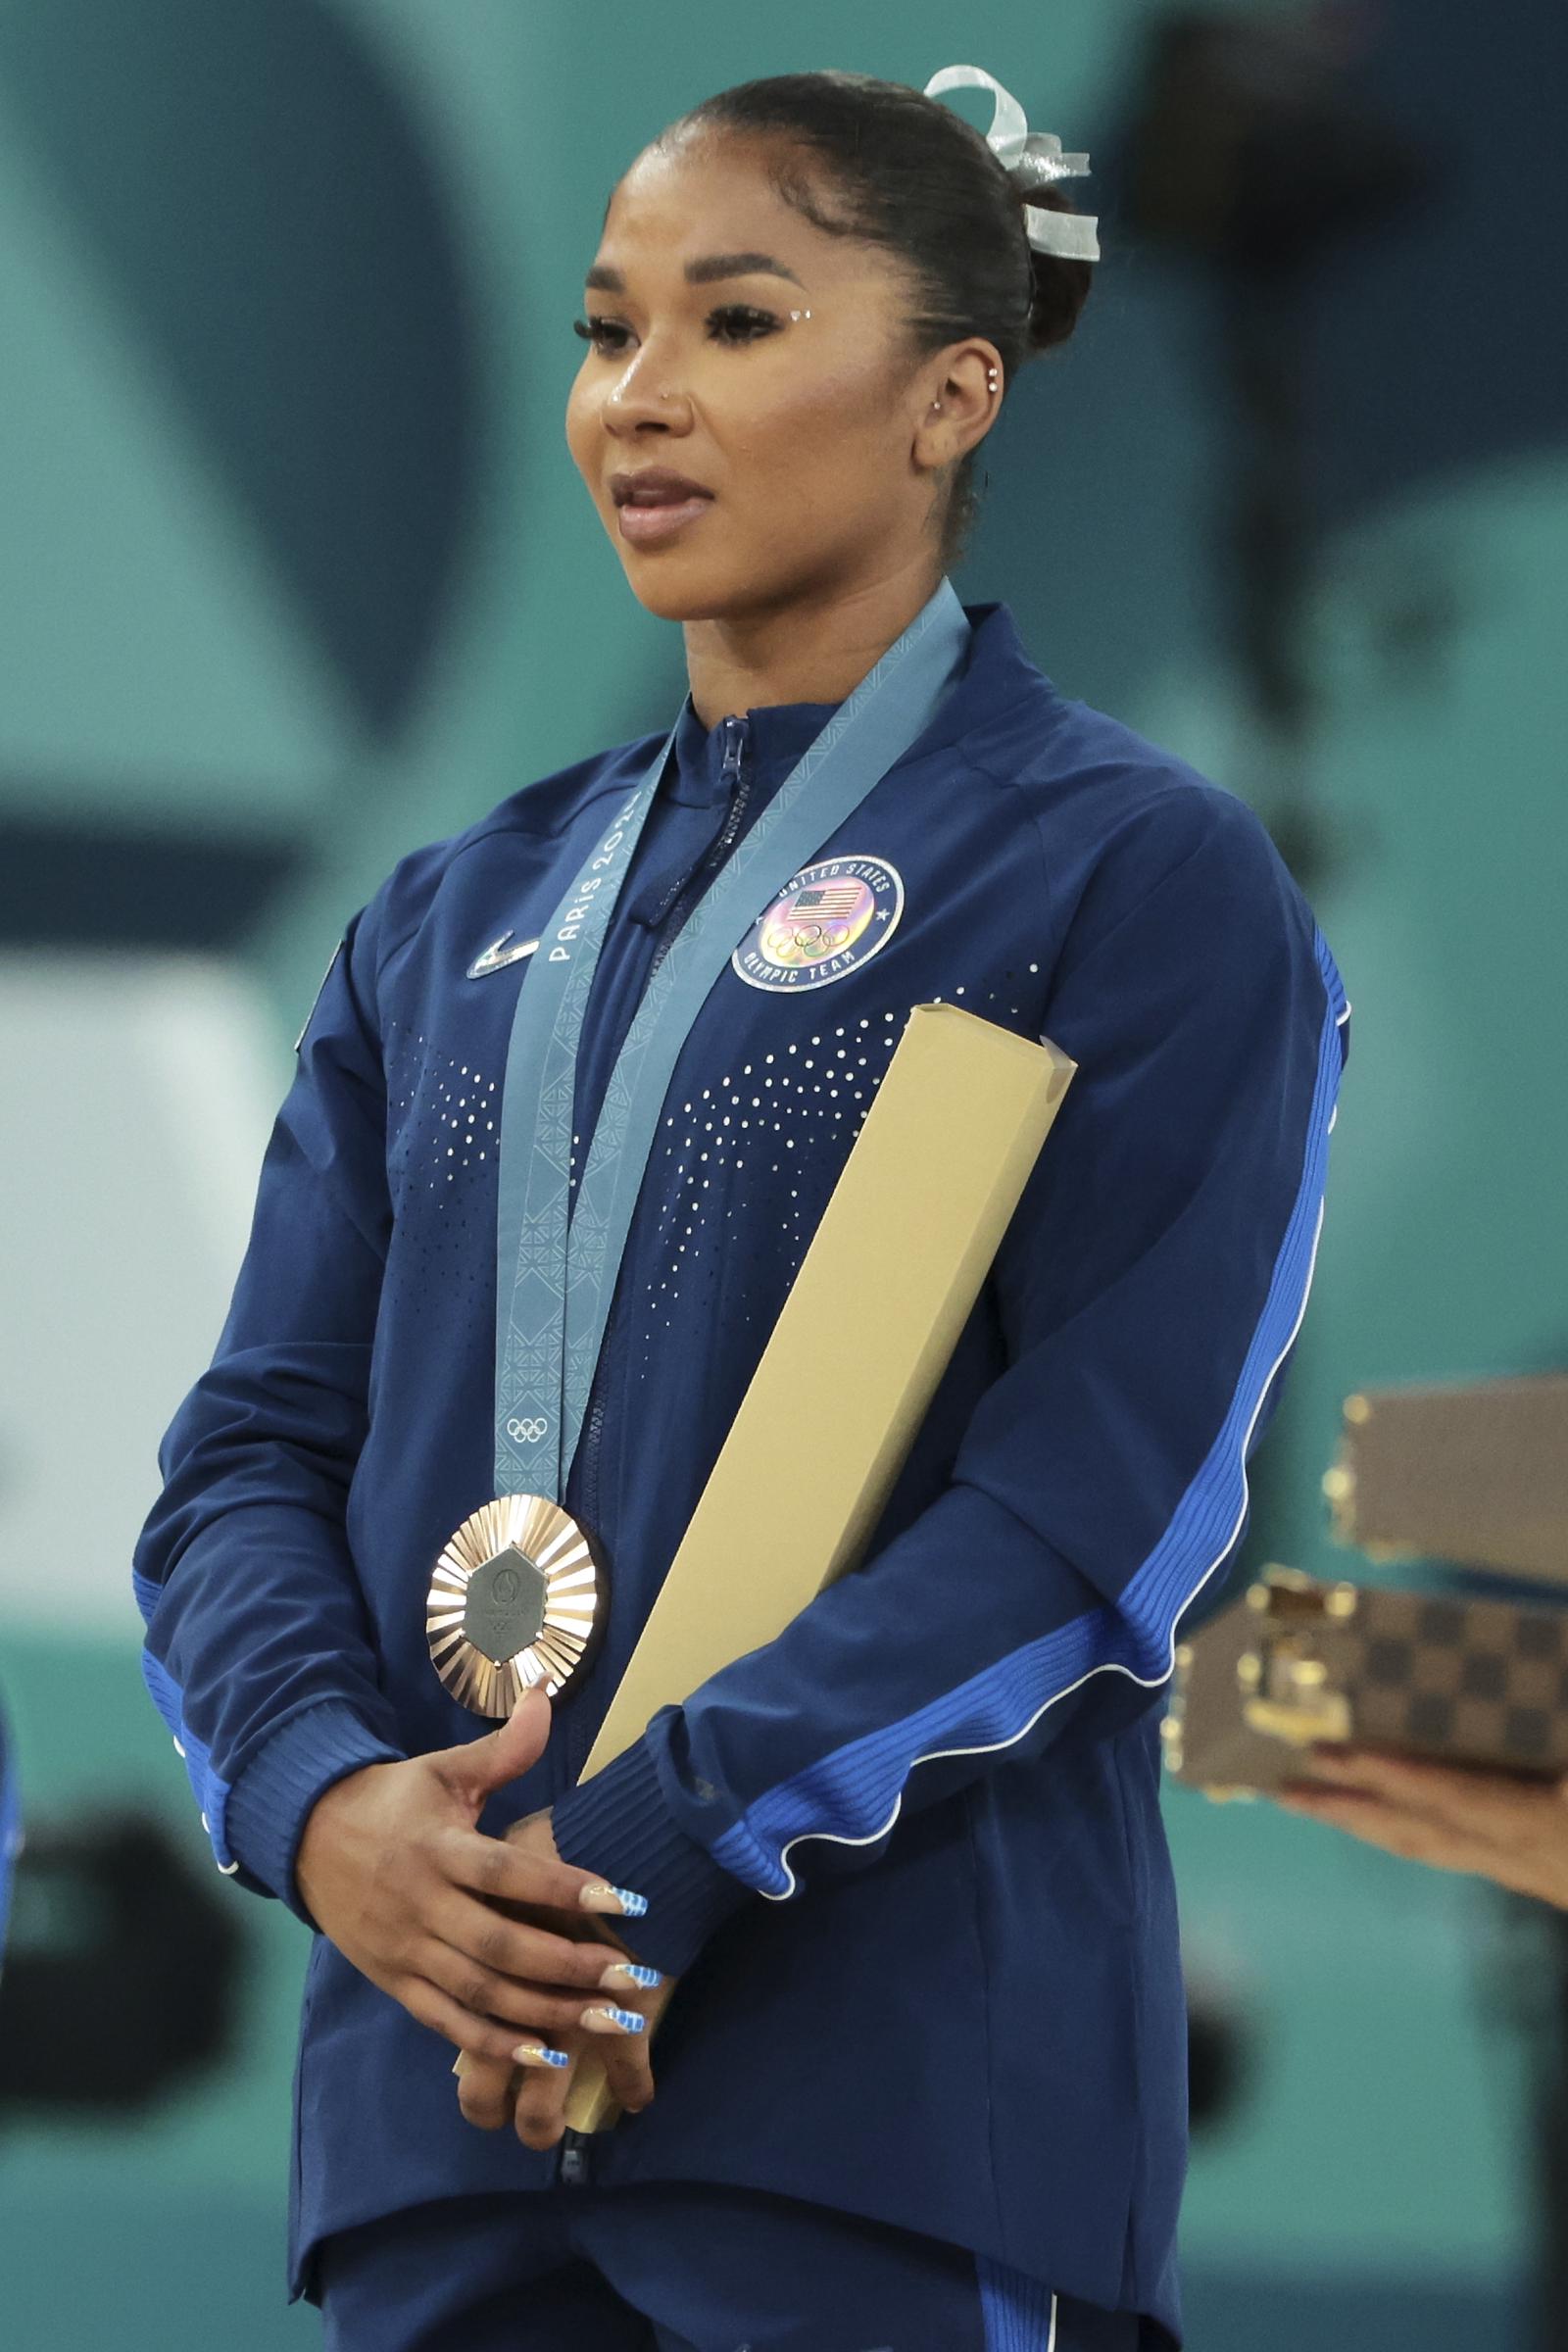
734	746
735	739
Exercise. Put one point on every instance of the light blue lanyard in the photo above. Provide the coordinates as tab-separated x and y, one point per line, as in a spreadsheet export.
556	1261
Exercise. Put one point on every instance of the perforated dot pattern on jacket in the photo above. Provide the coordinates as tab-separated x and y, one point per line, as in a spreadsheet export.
443	1149
771	1132
756	1152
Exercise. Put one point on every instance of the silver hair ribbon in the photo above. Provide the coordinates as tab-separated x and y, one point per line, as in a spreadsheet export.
1030	159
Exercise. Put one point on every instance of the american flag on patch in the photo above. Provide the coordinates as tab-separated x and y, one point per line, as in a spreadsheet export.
829	899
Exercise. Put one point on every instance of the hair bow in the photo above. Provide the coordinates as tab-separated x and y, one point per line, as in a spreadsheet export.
1030	159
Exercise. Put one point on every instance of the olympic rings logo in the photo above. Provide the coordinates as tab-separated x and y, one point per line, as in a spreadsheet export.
530	1431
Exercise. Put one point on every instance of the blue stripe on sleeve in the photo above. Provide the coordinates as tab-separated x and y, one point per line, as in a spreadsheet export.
1211	1514
212	1794
1019	2313
861	1785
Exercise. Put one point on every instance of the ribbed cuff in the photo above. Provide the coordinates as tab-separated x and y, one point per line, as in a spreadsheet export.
619	1824
271	1799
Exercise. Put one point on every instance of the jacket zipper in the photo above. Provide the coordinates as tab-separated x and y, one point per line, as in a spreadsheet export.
573	2167
740	785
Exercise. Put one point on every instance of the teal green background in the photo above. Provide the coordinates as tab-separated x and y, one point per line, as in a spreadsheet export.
157	668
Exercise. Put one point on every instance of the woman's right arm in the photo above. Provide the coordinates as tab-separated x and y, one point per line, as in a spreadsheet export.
258	1651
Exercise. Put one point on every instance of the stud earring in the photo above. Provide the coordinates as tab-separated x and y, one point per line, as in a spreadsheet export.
991	385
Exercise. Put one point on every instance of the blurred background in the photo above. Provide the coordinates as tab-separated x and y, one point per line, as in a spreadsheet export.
296	573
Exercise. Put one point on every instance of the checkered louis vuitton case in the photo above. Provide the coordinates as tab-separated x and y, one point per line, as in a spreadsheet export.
1458	1680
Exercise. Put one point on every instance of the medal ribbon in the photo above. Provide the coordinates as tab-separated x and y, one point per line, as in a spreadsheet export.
556	1261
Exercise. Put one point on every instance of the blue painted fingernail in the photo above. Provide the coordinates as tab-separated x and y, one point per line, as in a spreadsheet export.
629	1972
621	2021
534	2053
614	1898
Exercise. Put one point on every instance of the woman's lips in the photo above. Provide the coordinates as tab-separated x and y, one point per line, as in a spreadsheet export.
643	523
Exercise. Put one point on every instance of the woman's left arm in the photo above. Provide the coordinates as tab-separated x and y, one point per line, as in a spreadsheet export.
1152	1284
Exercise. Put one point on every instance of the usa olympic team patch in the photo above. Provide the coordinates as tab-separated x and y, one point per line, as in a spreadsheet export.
832	918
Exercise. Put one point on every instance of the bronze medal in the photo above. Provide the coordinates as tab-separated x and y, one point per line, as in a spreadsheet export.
517	1596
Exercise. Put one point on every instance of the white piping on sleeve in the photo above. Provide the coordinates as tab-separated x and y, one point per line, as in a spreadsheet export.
1111	1665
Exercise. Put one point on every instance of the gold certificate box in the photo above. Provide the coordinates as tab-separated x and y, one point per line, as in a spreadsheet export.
894	1270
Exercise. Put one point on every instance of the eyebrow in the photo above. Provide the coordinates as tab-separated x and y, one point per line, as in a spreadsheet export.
604	281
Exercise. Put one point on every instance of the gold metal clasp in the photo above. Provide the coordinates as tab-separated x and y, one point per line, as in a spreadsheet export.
1293	1704
1283	1679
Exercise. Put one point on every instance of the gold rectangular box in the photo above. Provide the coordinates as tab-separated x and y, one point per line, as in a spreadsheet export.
895	1267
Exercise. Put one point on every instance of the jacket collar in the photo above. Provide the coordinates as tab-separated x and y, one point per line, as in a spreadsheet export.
777	734
1000	682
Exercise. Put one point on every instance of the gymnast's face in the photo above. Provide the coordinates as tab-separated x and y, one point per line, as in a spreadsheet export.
780	382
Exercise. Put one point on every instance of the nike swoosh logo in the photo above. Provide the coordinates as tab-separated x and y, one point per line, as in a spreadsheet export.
494	961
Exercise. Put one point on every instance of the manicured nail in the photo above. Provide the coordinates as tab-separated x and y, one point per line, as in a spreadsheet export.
629	1972
614	1898
535	2053
607	2019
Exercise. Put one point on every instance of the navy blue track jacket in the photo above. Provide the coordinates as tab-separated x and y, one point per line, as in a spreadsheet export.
907	1858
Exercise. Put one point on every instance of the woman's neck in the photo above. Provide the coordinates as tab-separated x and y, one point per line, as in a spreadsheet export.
815	652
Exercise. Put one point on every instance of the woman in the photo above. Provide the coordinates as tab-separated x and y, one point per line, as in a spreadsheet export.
921	2079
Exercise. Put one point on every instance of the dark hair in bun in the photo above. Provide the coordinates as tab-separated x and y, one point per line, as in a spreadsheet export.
913	176
1061	286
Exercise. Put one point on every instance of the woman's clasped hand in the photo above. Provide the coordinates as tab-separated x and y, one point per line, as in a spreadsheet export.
495	1943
